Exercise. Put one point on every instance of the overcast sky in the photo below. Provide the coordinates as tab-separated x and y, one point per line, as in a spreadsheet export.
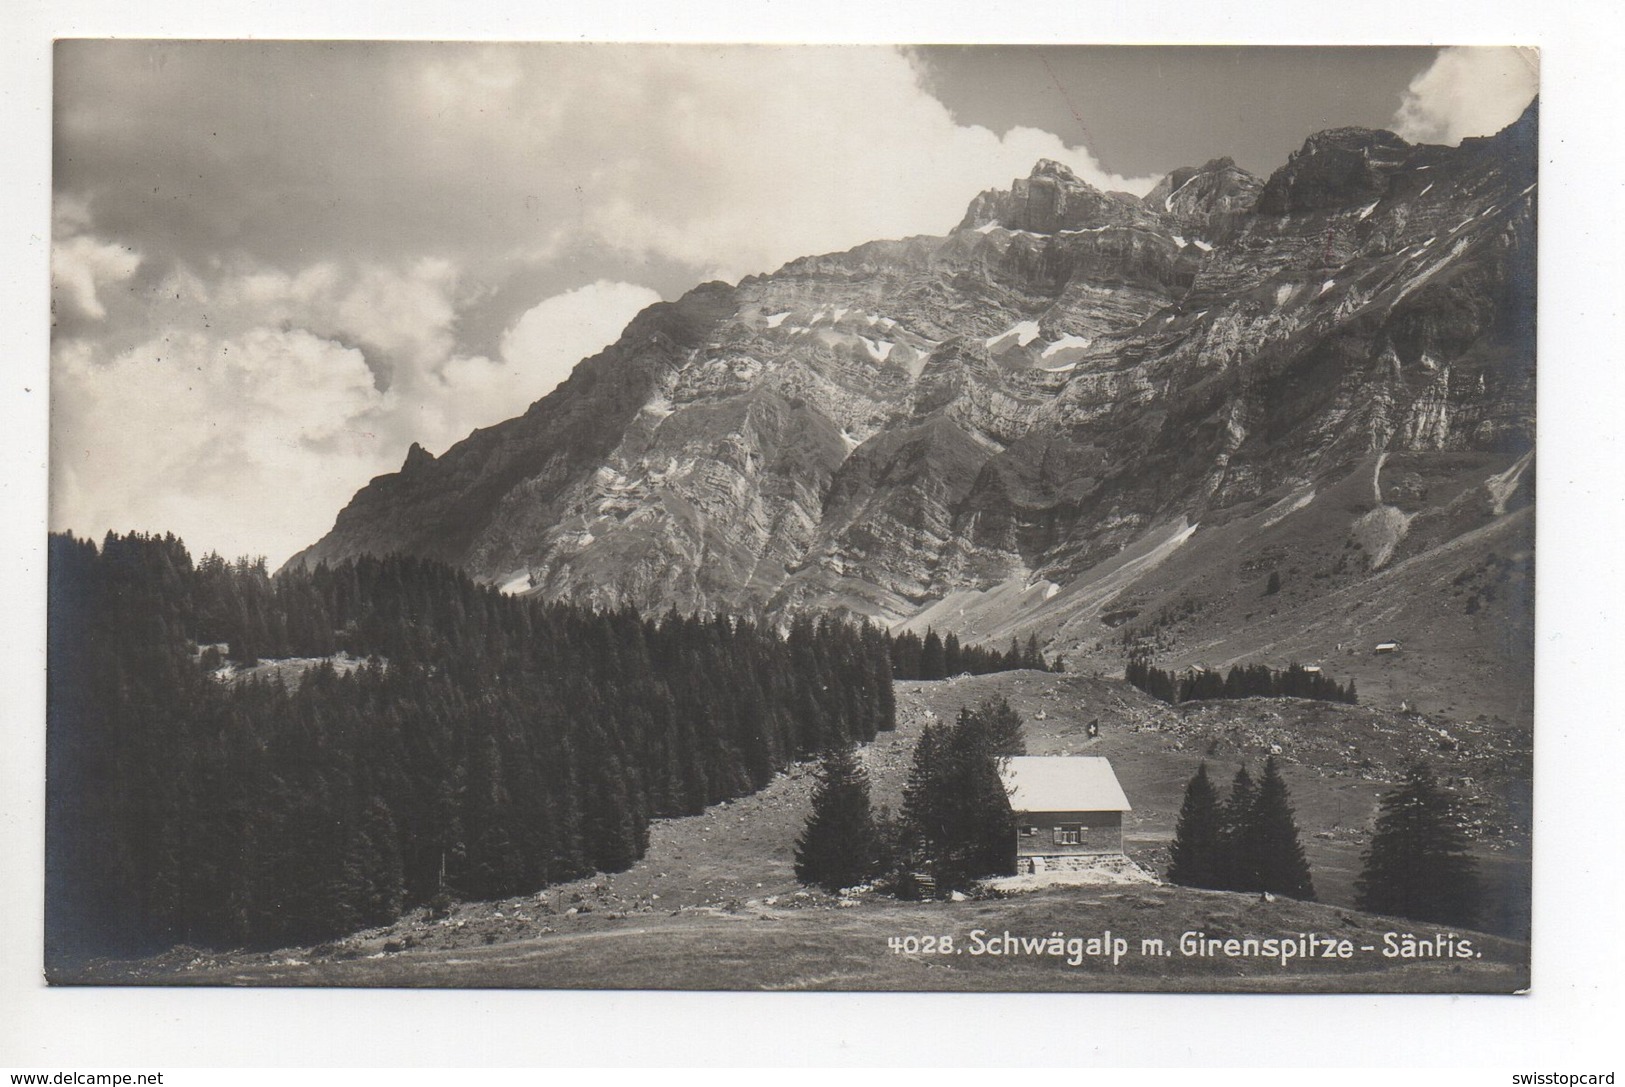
276	265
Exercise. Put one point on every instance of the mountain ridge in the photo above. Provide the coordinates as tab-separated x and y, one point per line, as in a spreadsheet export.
1066	376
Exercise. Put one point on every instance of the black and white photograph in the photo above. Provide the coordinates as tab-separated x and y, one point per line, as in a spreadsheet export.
792	517
988	536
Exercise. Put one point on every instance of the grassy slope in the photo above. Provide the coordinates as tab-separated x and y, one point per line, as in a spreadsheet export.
1456	591
822	948
715	904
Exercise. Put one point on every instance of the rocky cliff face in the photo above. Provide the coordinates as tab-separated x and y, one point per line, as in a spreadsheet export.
1058	387
1195	195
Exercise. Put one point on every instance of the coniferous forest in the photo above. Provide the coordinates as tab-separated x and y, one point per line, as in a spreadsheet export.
936	657
485	745
1251	681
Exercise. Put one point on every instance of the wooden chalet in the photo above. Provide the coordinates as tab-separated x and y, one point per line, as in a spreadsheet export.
1069	810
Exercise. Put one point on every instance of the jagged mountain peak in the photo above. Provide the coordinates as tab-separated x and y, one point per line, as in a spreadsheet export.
1351	136
989	424
1337	168
416	457
1192	194
1057	170
1050	199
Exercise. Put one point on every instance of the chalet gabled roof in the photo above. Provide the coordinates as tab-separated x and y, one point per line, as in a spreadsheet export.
1062	783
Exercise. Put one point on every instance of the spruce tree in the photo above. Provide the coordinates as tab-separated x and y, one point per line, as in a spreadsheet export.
1417	865
933	658
1273	836
983	823
839	847
1238	870
1198	859
923	796
1004	726
955	810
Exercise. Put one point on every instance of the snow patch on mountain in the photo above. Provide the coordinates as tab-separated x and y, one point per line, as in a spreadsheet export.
878	350
1066	342
1168	201
1022	332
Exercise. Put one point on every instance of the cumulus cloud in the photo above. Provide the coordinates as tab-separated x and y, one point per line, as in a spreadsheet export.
81	266
402	315
755	156
537	354
736	158
245	444
251	422
1468	91
541	349
425	238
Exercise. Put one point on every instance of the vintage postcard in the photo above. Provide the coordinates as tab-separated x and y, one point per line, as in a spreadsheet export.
610	516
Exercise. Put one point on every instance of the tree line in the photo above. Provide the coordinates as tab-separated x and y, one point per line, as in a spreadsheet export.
1245	842
1242	681
489	745
936	657
956	825
314	613
1416	865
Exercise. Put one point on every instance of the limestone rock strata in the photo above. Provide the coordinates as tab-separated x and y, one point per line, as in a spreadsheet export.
1024	397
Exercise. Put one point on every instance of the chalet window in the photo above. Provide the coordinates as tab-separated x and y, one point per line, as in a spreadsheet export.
1070	834
1029	832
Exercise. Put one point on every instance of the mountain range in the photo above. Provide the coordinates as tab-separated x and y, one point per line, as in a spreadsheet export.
1237	418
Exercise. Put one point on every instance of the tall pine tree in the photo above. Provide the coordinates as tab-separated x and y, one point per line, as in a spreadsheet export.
1272	833
839	846
1198	859
933	658
1417	865
1004	726
955	810
1238	869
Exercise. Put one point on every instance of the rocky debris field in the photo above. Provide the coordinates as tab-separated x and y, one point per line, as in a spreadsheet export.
1479	759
